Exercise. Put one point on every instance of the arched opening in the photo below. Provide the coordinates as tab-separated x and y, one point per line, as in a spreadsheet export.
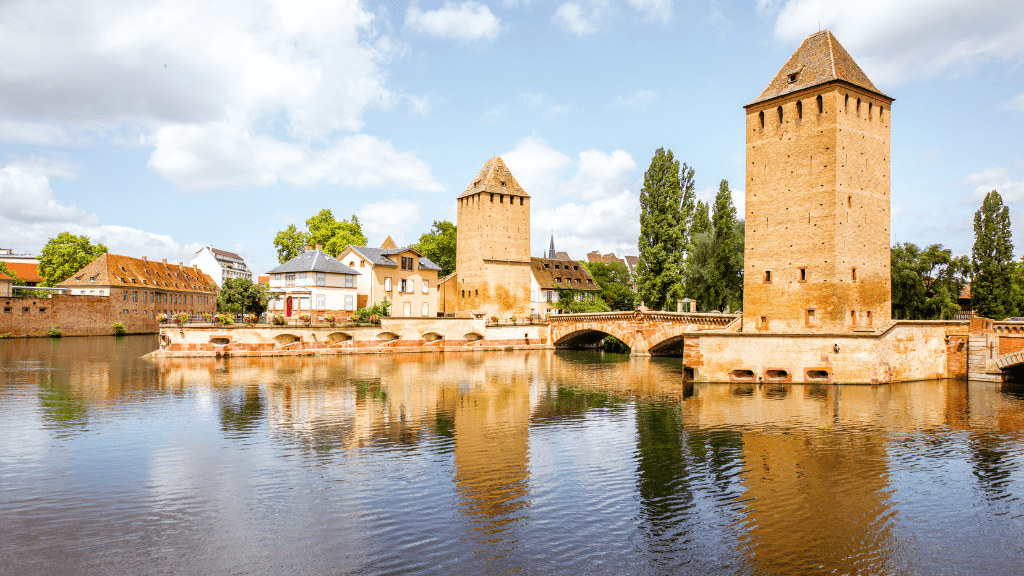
473	337
336	337
589	339
432	336
286	339
388	336
821	104
220	341
780	114
670	347
799	110
761	115
742	375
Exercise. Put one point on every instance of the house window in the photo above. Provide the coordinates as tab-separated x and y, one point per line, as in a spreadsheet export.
321	302
406	263
403	285
289	280
387	284
349	303
125	296
321	279
350	281
426	286
424	309
547	294
135	296
767	276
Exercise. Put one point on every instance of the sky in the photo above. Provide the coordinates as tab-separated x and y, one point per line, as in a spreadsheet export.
159	127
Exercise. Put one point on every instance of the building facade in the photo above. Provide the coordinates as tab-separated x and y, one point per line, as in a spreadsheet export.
220	265
313	283
551	276
817	253
405	277
140	289
492	260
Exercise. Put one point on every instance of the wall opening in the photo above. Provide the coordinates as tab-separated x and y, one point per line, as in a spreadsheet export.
809	318
803	274
742	375
285	339
780	114
849	201
336	337
853	317
761	115
767	276
473	337
776	375
821	104
220	341
816	375
432	336
858	107
846	104
799	110
853	274
388	336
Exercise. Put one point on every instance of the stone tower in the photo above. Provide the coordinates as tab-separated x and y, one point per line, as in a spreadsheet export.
492	259
817	197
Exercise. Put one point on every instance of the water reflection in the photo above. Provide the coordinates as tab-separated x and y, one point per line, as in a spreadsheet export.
480	463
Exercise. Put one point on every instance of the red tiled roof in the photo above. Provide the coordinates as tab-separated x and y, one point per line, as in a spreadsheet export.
568	272
224	253
118	271
26	272
5	277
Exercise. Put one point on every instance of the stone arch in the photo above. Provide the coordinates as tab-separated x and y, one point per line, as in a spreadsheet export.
432	336
286	339
388	336
589	335
220	340
335	337
473	337
669	346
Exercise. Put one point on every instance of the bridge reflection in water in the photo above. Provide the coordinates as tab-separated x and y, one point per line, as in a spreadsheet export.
796	476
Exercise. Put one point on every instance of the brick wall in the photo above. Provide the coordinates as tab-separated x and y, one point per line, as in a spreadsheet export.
73	315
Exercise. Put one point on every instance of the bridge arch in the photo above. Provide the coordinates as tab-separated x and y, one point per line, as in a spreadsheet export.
588	336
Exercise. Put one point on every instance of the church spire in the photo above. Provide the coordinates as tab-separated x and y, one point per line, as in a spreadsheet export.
551	250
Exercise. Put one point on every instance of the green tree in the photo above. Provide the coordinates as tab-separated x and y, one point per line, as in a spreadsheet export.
290	243
334	234
926	283
992	260
614	280
659	268
714	262
66	254
241	296
439	246
568	303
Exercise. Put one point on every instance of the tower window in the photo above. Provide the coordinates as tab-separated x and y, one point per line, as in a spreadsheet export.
520	200
849	201
858	107
492	197
881	110
780	114
846	104
868	317
809	318
761	114
853	317
803	274
821	104
793	76
501	199
799	109
767	276
870	106
853	274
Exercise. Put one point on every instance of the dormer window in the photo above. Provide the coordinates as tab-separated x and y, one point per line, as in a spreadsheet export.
792	77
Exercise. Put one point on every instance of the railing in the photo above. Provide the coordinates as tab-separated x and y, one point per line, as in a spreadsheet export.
967	315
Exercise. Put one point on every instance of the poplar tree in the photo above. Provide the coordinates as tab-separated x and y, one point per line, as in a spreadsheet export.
728	254
992	260
661	246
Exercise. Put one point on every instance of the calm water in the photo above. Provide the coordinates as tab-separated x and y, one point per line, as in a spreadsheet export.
530	463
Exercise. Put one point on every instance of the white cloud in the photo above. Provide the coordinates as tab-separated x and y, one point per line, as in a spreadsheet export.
30	215
895	42
547	106
653	9
635	100
591	204
997	179
581	18
32	133
467	22
256	78
222	155
1015	103
395	217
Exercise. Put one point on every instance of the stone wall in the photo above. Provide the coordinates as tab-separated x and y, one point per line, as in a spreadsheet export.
72	315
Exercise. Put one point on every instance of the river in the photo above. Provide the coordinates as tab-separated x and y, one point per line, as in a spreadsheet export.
491	463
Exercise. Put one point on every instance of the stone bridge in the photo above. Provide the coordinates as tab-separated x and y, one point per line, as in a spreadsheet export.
645	332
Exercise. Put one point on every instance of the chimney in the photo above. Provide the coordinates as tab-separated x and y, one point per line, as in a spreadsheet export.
165	261
308	247
319	247
144	259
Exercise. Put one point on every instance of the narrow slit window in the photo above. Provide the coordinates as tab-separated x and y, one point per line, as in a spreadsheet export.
799	110
853	274
780	114
881	111
853	317
761	114
849	201
803	274
858	107
810	317
868	317
846	104
767	276
821	104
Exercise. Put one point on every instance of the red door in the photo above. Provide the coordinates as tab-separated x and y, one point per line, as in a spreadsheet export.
288	307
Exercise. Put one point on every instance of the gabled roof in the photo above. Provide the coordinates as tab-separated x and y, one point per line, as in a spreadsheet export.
380	256
6	277
313	261
819	60
490	179
221	253
563	277
119	271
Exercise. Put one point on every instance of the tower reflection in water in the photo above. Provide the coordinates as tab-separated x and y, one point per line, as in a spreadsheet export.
796	477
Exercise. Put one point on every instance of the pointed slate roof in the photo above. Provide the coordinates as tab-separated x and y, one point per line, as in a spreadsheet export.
313	261
380	256
490	179
819	60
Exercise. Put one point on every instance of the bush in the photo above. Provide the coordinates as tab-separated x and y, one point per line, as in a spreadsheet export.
354	318
181	318
161	318
249	319
279	320
304	318
55	333
120	330
374	319
329	318
224	319
379	309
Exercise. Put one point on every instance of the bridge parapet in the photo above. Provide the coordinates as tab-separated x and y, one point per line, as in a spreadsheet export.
641	330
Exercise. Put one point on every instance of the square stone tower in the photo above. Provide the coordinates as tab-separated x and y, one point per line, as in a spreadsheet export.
492	259
817	197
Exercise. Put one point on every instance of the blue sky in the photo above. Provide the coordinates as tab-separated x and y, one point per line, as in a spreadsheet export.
159	127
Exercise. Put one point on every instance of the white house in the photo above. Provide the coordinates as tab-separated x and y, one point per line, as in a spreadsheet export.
313	283
220	265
